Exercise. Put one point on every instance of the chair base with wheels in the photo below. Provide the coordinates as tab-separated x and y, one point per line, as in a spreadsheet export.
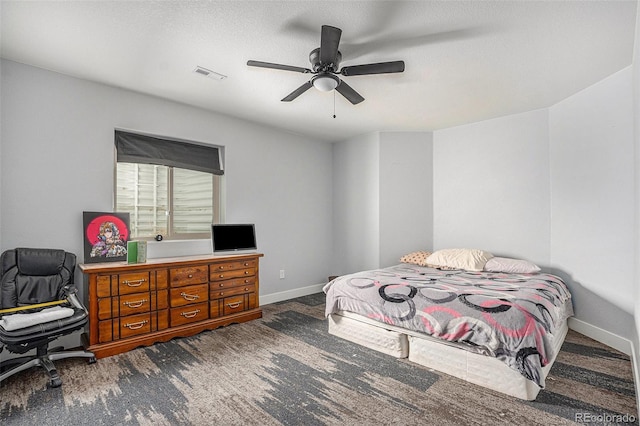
29	280
43	358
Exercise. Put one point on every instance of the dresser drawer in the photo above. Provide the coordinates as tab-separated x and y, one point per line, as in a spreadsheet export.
233	304
189	314
234	282
229	305
130	304
229	266
235	273
232	291
134	325
121	328
133	283
182	296
179	277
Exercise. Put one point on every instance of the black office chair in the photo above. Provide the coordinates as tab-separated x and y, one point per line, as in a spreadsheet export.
32	280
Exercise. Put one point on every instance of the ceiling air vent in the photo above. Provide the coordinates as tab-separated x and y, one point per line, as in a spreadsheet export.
208	73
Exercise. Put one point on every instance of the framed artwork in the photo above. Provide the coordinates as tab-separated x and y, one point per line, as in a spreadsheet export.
105	236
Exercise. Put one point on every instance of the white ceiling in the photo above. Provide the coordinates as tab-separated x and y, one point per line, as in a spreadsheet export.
466	61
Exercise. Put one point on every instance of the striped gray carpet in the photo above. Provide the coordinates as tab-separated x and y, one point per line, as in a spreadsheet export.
286	369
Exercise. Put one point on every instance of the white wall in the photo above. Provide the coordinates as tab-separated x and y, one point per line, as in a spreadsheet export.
356	215
592	199
382	199
406	194
58	161
555	186
491	186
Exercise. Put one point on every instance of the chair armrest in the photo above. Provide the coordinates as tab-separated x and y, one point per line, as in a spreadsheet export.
71	292
69	289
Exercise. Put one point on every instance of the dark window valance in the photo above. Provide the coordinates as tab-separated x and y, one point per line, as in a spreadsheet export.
137	148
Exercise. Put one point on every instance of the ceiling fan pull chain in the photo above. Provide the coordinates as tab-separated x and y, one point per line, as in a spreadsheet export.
334	104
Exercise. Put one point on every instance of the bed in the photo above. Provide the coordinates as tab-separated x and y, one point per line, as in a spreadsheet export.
499	330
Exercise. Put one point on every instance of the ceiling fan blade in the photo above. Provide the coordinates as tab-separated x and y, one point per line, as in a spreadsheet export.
329	41
278	66
391	44
379	68
299	91
352	96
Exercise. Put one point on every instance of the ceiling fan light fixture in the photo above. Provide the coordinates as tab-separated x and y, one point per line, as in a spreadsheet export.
325	82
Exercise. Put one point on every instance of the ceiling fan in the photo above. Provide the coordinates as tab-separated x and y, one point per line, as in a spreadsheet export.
325	61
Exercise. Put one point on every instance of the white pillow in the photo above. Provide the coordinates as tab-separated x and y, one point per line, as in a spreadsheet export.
513	266
467	259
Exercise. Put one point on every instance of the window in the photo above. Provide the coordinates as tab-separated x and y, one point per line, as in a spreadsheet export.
176	202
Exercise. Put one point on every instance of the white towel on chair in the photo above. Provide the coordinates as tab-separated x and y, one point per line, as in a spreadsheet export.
18	321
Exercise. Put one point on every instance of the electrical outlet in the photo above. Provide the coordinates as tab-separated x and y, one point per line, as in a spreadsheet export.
281	274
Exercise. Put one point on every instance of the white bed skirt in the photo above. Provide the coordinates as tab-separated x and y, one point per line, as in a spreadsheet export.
439	355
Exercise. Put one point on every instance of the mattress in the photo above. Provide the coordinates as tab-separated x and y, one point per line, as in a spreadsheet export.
514	318
364	333
457	360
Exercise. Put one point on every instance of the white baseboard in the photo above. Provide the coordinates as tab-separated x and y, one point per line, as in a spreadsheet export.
290	294
603	336
636	378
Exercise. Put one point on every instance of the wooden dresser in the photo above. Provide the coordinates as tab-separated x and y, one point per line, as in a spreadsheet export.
133	305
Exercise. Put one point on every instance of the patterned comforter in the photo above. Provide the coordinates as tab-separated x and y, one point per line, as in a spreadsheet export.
512	317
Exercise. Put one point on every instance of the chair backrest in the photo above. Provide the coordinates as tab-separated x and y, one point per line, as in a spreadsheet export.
32	275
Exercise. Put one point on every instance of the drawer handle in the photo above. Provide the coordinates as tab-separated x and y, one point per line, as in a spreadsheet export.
186	296
136	283
190	275
135	304
221	276
246	263
221	268
233	305
136	325
221	285
246	281
190	314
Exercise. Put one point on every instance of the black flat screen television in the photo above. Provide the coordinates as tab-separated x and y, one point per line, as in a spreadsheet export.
233	237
